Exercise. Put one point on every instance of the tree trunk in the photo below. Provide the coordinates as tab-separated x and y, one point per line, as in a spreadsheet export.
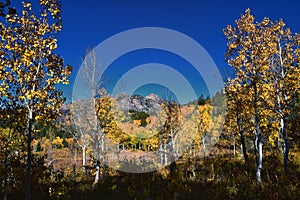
177	151
285	143
75	159
97	158
161	153
203	146
29	139
84	158
257	135
234	147
50	163
284	118
165	153
259	160
244	150
118	152
279	109
173	163
103	153
5	173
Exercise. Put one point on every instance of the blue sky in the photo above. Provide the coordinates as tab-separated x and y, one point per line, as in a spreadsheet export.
88	23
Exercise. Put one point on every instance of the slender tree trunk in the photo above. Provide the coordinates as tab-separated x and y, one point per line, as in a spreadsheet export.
172	159
279	109
103	153
84	158
285	143
284	118
50	163
259	162
203	145
97	158
161	150
118	152
234	150
5	173
278	142
173	163
244	150
29	139
177	151
257	135
165	153
75	159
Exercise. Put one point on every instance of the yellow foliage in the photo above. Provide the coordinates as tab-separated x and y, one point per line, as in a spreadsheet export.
148	120
264	86
137	122
45	143
31	60
70	141
58	142
34	143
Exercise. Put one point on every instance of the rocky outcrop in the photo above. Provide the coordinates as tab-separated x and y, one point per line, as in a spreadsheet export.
148	104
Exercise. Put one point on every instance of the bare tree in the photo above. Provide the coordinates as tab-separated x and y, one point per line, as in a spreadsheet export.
97	110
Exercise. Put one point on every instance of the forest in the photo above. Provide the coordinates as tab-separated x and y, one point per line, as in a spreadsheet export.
241	143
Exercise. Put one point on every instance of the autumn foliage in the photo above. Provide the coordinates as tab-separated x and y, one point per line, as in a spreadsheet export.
52	150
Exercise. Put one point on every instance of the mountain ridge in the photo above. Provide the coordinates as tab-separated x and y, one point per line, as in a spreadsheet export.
147	104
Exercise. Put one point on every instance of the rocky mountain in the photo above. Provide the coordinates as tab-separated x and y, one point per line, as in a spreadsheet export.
139	103
148	104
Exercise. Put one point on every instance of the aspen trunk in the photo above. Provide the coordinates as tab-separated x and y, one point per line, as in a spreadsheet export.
173	163
97	158
29	139
258	141
6	174
285	143
75	159
242	137
203	146
103	153
84	158
259	160
165	153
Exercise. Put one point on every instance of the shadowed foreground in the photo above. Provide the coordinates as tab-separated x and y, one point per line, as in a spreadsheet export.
210	178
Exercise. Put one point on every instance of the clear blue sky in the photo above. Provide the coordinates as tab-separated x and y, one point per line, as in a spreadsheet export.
89	22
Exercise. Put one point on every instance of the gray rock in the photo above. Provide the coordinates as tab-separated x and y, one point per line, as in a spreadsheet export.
148	104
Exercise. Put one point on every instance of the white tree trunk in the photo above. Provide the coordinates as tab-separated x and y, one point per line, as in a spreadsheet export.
97	159
75	159
285	143
259	162
161	154
281	122
165	152
257	135
203	146
84	158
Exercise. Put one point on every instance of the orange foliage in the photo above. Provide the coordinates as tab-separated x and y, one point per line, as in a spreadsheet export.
137	122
